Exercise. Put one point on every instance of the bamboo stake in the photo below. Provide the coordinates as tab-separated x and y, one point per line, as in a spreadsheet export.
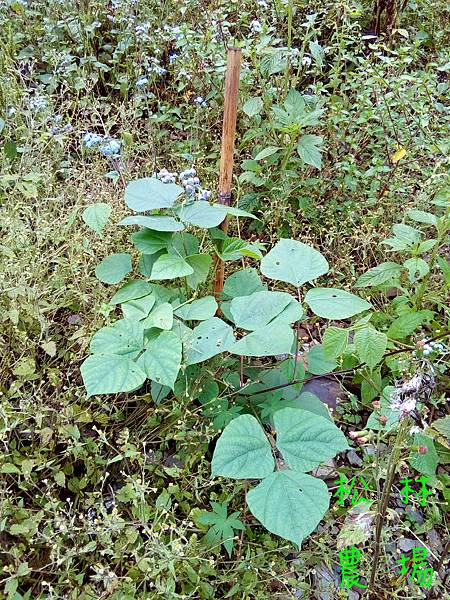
226	154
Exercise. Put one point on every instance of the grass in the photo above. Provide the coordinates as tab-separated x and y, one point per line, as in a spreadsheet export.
100	496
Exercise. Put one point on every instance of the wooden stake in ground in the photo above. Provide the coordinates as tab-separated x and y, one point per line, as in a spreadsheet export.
226	155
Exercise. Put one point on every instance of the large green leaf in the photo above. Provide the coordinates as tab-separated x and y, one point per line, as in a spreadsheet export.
382	273
310	149
243	451
138	308
270	340
404	325
150	241
162	359
334	341
158	223
198	310
113	268
131	291
200	263
149	193
370	345
97	215
243	283
258	309
111	374
316	361
124	337
203	214
170	266
160	317
305	439
209	338
289	504
331	303
293	262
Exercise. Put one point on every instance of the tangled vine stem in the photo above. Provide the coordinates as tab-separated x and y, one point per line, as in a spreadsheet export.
330	373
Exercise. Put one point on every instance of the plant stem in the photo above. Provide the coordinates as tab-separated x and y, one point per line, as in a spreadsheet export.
384	502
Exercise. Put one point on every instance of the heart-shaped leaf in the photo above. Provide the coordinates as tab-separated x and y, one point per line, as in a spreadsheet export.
198	310
162	359
209	338
131	291
293	262
289	504
258	309
149	193
170	266
124	337
97	215
111	374
270	340
113	268
332	303
243	450
305	439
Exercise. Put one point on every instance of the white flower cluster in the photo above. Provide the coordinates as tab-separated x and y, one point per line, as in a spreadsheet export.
188	179
430	347
167	177
419	387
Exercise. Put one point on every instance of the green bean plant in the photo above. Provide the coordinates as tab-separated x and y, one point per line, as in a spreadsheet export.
171	330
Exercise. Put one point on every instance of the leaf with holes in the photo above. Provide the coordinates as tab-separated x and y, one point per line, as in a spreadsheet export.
289	504
305	439
331	303
209	338
293	262
243	450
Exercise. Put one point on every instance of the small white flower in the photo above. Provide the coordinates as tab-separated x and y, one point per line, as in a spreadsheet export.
256	26
306	61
